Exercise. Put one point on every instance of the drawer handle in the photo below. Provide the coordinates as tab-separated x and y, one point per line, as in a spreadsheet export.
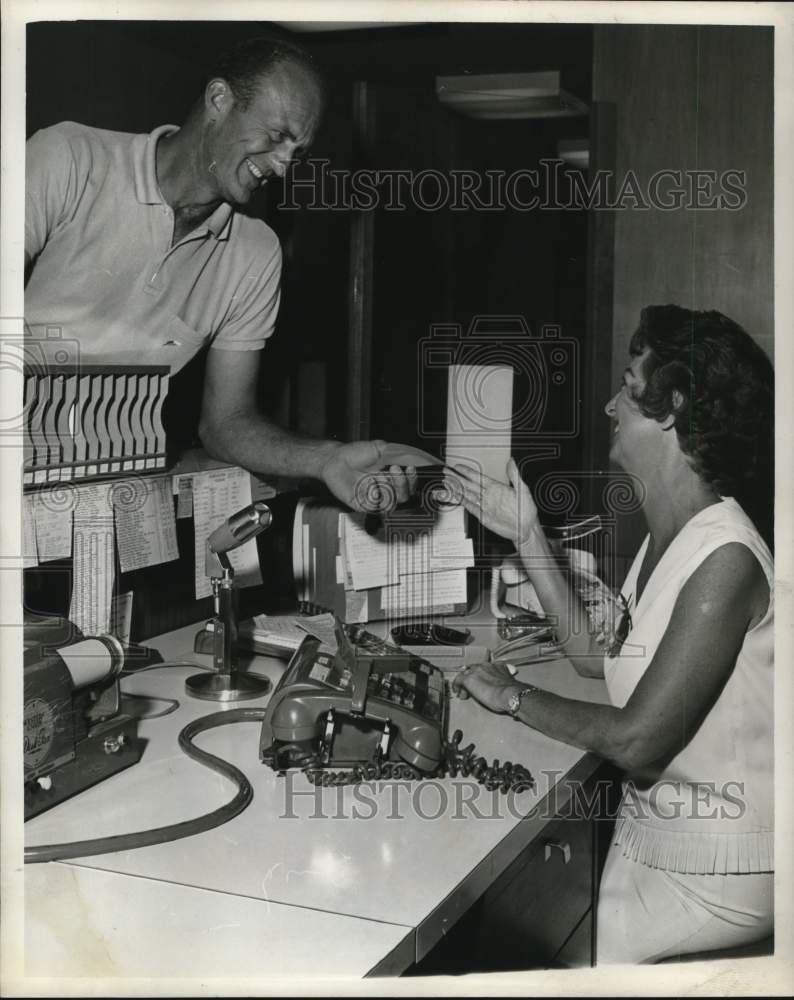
552	845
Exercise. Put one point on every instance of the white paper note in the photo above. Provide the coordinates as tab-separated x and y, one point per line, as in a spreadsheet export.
306	565
452	519
479	418
424	592
282	629
216	495
93	559
52	514
431	553
367	555
121	617
322	627
29	552
344	565
298	570
183	490
145	525
356	606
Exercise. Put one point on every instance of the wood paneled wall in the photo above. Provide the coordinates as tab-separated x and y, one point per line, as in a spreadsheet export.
692	98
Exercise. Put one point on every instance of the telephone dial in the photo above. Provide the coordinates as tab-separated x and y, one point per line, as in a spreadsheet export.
360	705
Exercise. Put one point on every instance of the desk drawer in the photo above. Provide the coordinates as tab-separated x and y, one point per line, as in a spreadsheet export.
533	908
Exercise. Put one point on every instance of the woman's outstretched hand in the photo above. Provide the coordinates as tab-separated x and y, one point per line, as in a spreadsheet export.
507	510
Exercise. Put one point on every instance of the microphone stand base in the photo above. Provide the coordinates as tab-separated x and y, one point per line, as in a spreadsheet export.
227	687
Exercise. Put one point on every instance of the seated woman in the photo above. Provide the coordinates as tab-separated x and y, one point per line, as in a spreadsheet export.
690	720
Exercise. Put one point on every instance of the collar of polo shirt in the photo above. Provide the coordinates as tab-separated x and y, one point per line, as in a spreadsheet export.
147	190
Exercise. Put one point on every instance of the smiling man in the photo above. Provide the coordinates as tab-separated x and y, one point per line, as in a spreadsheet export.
136	249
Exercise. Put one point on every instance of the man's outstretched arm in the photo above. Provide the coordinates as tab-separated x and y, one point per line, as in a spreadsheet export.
231	428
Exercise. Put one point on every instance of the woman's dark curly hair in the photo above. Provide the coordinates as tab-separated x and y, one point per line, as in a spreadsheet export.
725	407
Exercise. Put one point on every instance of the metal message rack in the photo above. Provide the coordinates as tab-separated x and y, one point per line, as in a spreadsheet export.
91	421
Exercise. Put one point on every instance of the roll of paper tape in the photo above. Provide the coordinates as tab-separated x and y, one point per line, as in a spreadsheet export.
91	660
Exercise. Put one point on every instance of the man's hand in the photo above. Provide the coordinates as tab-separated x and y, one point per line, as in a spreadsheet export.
353	475
508	511
491	684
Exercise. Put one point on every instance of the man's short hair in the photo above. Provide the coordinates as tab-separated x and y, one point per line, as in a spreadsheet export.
246	64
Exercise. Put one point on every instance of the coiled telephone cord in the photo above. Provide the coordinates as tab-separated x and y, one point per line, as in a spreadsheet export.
505	777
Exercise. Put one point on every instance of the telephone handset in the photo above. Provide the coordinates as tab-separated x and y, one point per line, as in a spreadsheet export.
356	707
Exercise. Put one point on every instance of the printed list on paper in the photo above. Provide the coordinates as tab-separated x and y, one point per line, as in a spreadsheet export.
93	556
146	529
216	495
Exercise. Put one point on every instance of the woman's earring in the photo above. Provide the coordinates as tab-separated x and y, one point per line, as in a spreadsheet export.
212	166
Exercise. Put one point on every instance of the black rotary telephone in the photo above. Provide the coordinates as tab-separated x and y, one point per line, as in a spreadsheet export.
373	708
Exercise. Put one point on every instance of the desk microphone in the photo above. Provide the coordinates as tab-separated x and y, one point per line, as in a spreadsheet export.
225	683
240	527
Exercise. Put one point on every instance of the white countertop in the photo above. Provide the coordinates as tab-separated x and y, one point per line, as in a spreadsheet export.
328	850
83	922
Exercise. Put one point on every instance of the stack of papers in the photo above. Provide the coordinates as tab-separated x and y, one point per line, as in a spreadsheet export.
417	560
280	635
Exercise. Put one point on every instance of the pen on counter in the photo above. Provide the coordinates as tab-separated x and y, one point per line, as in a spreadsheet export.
511	669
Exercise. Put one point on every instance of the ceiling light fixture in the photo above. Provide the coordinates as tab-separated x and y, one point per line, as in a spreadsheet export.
508	95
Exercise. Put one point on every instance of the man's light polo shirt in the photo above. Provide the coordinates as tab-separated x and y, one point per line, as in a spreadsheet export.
105	273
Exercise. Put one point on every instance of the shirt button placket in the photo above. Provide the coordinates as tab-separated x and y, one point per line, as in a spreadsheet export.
163	238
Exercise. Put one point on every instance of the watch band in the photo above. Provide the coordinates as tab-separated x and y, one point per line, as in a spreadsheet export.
514	702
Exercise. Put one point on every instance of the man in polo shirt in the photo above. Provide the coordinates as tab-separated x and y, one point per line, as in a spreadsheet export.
134	248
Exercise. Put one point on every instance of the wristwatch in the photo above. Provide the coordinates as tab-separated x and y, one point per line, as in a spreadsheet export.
514	701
